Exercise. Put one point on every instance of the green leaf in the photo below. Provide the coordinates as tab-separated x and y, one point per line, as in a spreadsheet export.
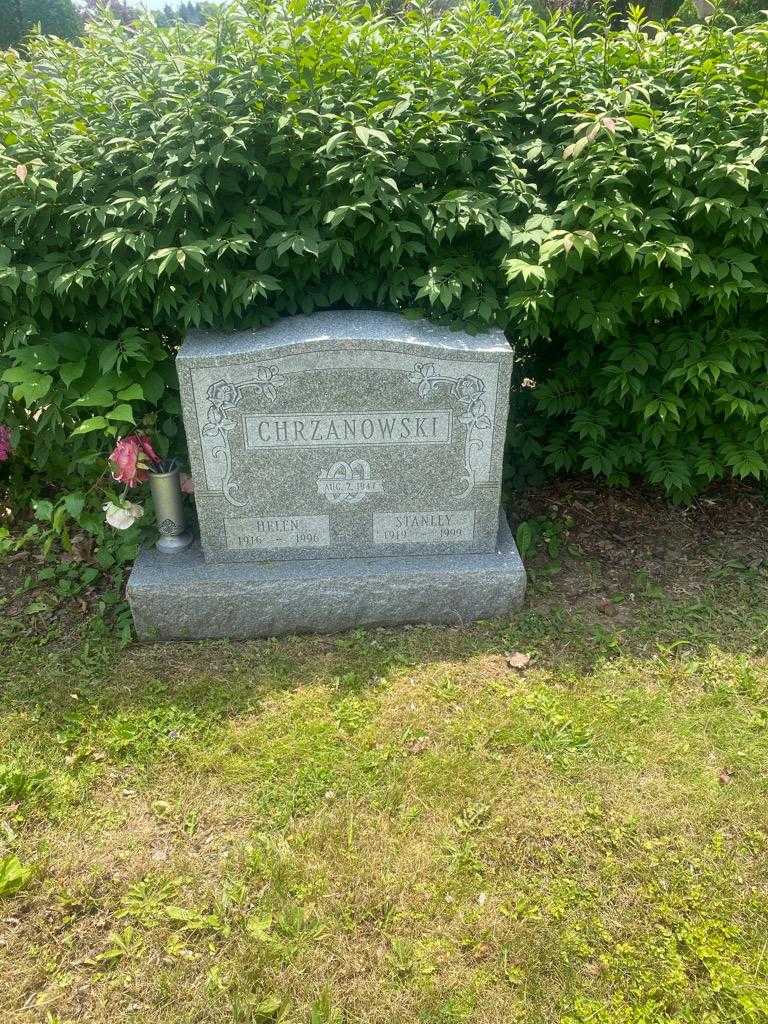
524	537
88	426
99	395
14	875
640	121
18	375
70	372
153	386
43	510
108	357
33	388
74	504
123	413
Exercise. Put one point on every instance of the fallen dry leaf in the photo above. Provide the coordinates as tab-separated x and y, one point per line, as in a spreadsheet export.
724	777
82	547
419	745
516	659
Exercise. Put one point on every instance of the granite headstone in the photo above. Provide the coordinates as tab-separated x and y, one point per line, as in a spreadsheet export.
333	448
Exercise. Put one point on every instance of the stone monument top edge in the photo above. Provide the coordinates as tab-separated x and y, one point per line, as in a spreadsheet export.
337	328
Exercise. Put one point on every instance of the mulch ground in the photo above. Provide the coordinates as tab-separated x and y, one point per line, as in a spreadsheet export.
615	535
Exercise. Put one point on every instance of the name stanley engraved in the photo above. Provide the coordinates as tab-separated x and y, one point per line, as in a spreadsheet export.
424	527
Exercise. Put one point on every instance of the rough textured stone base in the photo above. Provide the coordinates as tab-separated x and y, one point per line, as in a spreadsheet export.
181	597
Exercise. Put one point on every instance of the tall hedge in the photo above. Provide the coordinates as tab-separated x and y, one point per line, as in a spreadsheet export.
599	194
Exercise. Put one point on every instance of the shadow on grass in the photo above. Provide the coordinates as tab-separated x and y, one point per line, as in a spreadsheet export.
212	681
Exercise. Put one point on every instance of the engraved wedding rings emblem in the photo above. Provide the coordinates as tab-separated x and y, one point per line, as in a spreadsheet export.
348	483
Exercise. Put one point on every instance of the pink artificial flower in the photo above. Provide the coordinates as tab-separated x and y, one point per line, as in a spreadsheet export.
131	459
187	483
146	446
5	443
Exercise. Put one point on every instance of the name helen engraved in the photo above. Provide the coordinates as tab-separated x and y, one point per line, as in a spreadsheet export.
261	533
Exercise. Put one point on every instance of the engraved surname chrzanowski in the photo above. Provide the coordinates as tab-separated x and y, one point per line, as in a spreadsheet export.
423	527
348	483
272	533
339	429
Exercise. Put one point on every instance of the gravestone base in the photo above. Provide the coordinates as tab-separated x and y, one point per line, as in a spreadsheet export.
182	597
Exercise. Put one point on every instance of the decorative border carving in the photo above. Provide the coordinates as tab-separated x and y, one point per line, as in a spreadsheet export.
468	390
224	396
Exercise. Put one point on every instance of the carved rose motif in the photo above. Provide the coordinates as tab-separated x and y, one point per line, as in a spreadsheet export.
223	392
222	395
468	388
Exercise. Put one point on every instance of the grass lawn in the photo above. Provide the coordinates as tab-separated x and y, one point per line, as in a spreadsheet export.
398	826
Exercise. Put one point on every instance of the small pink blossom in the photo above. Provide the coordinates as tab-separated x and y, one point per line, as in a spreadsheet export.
131	459
187	483
5	443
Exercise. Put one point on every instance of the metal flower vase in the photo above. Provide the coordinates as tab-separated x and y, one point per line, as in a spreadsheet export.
169	511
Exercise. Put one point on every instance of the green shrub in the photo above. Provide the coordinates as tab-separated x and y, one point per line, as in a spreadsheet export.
20	17
601	195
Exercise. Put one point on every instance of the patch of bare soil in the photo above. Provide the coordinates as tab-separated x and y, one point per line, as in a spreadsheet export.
40	591
610	541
